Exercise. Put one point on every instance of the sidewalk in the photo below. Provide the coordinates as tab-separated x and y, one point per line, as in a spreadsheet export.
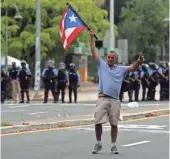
88	92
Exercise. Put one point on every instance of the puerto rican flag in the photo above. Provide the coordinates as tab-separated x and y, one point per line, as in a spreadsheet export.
70	27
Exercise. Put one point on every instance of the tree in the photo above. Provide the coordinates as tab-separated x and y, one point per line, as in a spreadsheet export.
142	24
22	34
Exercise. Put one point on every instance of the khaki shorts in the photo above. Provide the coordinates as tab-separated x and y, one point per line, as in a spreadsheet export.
107	109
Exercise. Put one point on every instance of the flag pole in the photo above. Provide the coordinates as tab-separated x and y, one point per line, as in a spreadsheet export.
69	5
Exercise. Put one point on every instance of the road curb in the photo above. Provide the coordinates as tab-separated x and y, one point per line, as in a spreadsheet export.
77	122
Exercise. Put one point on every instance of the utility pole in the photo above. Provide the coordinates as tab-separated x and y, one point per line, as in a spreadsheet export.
37	54
6	39
112	36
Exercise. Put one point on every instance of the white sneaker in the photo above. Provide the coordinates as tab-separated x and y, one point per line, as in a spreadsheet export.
97	148
114	150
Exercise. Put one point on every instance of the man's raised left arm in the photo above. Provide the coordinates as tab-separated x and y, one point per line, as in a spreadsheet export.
136	64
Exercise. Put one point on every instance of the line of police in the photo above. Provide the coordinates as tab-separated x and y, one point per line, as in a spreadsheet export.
54	80
149	75
20	81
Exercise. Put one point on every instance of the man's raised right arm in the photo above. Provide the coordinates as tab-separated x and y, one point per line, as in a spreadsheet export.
92	46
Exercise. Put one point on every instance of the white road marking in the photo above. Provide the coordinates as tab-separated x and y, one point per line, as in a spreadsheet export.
21	106
13	106
12	111
136	143
132	128
37	113
147	131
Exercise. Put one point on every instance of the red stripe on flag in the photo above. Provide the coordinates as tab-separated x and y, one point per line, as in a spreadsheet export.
61	25
73	35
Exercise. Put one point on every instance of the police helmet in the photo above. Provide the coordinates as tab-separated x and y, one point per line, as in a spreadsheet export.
144	67
162	64
62	65
167	64
13	64
23	62
72	65
50	63
153	65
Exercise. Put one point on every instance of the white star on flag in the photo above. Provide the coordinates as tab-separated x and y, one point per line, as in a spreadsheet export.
72	18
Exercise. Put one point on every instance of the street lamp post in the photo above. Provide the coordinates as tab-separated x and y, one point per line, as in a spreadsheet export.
37	55
6	39
17	16
112	36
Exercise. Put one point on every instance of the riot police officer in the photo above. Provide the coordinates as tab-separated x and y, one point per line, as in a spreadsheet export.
24	75
163	78
15	83
62	79
49	76
137	83
131	86
4	82
153	79
144	79
125	87
74	82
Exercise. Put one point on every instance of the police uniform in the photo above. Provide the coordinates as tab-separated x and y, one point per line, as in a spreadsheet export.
153	79
74	82
24	75
4	82
15	83
166	86
144	79
49	76
62	79
131	86
125	87
162	81
137	84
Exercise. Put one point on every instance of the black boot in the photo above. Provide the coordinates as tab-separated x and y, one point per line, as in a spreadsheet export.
136	95
75	96
28	97
45	97
62	98
22	97
2	97
121	96
153	96
130	93
55	97
70	94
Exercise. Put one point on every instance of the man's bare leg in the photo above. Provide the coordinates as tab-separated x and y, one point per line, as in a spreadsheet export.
98	131
114	132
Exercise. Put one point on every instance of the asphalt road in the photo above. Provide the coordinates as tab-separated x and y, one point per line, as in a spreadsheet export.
141	139
38	112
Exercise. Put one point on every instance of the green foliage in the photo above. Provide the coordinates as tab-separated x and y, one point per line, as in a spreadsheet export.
3	124
142	24
22	33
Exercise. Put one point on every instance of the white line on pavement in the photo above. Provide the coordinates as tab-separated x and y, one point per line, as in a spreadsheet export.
21	106
37	113
13	106
12	111
136	143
